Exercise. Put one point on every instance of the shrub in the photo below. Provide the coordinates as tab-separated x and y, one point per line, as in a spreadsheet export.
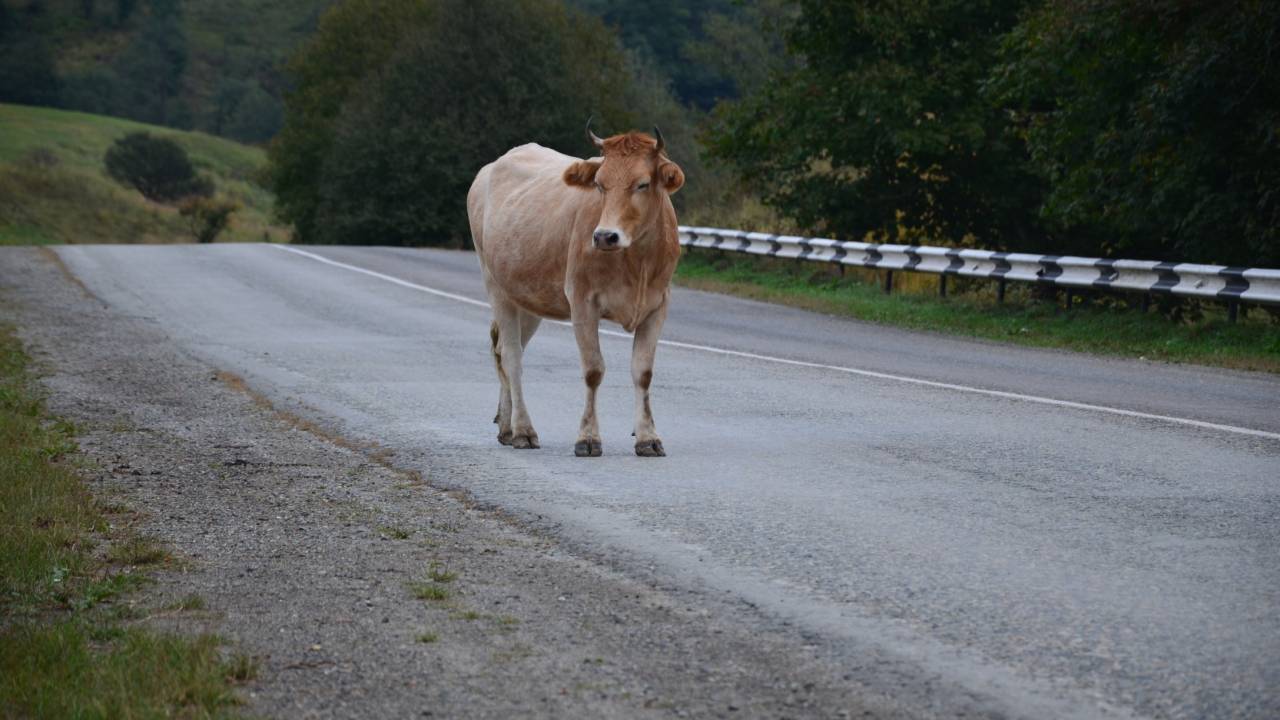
157	167
206	217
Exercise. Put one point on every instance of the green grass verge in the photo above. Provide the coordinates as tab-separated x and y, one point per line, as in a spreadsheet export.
69	644
53	188
1108	327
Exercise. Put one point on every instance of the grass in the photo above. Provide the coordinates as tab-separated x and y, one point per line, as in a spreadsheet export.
428	591
395	532
68	647
187	603
53	188
138	550
427	638
1107	327
439	573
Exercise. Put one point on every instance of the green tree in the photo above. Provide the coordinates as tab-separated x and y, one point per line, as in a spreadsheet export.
152	68
392	164
353	39
661	33
1156	124
880	127
26	59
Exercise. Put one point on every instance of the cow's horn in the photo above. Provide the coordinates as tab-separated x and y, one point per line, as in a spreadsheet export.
662	144
595	139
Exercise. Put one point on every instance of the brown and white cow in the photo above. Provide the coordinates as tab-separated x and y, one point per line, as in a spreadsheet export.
564	238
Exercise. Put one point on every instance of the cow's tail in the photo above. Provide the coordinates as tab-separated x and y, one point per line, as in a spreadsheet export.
497	356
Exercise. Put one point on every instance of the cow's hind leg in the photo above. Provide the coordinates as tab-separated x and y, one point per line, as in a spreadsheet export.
503	417
514	329
643	349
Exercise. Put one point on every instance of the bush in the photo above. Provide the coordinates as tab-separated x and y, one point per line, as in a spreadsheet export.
157	167
206	217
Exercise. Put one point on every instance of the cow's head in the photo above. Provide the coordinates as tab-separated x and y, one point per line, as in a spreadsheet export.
634	178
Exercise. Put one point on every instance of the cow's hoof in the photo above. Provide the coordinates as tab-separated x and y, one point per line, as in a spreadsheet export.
588	448
525	442
505	437
650	448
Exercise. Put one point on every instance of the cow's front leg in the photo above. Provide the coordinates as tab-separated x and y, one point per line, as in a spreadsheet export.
586	328
643	349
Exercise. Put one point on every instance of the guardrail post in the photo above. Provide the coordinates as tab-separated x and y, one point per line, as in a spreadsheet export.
1233	307
1146	302
888	281
1000	290
942	286
1071	298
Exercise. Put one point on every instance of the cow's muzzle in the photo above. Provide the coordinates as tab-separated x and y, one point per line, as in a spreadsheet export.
607	240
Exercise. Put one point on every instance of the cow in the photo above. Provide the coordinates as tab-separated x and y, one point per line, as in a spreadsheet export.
572	239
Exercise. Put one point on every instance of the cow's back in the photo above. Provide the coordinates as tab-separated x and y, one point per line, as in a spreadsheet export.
523	219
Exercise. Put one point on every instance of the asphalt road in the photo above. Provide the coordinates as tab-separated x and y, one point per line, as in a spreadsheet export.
976	528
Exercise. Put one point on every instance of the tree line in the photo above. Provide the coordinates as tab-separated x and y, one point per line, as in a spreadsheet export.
1138	128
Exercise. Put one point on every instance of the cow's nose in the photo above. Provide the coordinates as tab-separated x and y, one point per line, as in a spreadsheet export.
605	238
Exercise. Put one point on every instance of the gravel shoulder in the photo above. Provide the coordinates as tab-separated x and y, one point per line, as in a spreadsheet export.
305	548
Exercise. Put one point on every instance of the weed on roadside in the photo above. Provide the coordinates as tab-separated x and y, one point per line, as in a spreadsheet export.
428	591
69	647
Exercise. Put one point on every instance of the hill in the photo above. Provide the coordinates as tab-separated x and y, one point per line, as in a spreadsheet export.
53	188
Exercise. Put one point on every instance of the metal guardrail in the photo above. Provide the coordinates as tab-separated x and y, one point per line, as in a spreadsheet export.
1232	285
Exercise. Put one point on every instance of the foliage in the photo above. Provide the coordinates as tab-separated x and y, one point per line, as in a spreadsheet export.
880	127
206	217
154	63
1157	124
744	45
660	32
26	62
393	117
157	167
353	38
160	61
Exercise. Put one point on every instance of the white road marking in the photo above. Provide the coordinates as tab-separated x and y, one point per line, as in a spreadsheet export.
823	366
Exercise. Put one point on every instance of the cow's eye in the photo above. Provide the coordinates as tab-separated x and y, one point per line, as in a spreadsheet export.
642	186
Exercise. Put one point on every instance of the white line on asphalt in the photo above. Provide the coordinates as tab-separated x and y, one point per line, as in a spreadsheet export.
824	366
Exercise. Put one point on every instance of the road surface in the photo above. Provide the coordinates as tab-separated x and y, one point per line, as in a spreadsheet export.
974	527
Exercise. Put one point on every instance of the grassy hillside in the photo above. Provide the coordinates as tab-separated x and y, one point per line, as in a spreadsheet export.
53	188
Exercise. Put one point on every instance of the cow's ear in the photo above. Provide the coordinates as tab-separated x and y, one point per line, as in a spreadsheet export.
581	173
671	176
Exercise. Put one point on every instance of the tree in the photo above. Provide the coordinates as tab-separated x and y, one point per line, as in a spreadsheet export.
157	167
152	68
393	165
661	33
881	128
26	61
1156	124
353	39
